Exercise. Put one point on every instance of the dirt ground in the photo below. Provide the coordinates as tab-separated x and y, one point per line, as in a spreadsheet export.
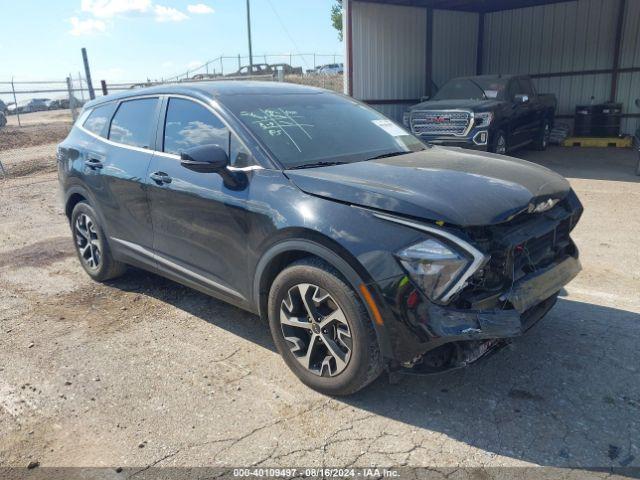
143	372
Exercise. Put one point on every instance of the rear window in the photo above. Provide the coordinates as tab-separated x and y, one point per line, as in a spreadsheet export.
133	123
98	120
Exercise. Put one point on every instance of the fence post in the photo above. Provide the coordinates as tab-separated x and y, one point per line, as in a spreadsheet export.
87	74
72	100
239	62
15	101
103	84
221	66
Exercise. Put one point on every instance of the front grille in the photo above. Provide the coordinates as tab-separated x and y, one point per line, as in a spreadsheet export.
440	122
540	251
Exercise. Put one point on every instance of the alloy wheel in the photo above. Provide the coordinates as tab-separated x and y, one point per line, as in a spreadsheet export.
87	241
316	329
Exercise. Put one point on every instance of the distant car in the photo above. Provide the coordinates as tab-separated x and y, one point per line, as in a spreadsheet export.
58	104
36	105
3	107
266	69
498	113
205	76
288	69
17	108
332	69
3	119
256	69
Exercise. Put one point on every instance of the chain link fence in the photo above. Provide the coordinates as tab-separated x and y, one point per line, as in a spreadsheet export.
35	115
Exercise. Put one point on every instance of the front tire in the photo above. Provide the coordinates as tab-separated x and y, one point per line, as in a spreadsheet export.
322	330
91	245
500	143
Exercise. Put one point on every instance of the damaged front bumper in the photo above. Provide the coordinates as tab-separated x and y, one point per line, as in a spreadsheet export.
445	338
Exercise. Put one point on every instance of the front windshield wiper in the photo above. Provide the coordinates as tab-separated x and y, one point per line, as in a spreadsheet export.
387	155
316	164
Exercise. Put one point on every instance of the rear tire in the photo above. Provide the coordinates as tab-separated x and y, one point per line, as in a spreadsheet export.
322	330
91	245
542	140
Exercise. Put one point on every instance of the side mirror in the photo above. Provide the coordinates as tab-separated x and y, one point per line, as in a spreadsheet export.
424	98
205	159
638	102
521	98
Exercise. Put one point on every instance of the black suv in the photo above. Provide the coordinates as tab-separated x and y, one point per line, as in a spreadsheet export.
365	248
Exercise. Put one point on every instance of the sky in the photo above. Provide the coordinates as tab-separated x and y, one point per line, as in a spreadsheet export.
132	40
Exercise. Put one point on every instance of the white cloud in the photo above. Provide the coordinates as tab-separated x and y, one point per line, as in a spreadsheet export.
86	27
199	9
110	8
168	14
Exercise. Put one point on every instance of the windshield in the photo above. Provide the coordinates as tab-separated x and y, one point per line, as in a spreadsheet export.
472	89
312	129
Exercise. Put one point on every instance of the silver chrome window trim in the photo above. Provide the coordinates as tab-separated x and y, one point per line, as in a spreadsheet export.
209	107
479	259
180	268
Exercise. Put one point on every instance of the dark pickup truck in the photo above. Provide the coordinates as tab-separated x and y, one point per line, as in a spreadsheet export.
497	113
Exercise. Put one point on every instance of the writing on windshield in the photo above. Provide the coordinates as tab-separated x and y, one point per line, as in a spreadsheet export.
279	121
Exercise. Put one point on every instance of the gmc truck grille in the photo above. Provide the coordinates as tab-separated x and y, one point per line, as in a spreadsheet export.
440	122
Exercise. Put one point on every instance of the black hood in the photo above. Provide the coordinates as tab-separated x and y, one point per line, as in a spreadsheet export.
470	104
457	186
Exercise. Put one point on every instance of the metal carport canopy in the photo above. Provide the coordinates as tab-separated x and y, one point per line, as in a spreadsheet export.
478	6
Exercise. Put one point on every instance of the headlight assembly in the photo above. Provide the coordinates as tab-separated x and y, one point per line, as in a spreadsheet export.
483	119
406	119
433	266
441	264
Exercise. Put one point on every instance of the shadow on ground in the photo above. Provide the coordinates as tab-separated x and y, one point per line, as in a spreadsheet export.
615	164
565	394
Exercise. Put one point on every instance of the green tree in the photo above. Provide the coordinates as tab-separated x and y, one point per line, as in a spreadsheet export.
336	17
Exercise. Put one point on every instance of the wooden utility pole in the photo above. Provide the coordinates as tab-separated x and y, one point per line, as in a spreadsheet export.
249	35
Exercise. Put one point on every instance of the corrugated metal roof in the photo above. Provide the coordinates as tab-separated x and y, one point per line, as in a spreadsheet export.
469	5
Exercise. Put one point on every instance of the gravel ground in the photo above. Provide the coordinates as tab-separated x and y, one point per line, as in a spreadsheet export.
143	372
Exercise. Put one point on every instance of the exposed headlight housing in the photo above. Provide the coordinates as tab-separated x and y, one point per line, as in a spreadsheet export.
483	119
442	264
433	266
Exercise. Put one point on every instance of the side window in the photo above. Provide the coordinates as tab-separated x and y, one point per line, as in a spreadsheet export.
98	120
189	124
133	122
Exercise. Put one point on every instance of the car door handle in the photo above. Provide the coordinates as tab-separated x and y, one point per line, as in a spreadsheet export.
160	177
94	161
